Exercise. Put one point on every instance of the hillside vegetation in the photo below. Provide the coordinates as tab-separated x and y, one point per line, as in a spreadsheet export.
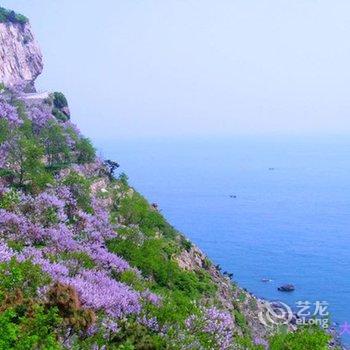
87	263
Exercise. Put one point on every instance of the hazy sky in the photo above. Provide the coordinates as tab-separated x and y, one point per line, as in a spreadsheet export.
140	68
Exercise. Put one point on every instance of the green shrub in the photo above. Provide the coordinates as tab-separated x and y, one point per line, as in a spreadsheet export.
185	243
17	246
135	210
4	130
152	259
9	199
136	336
176	307
54	140
34	330
24	323
21	276
306	338
32	173
241	322
85	151
22	111
123	179
82	258
59	115
245	343
149	243
59	100
130	278
26	156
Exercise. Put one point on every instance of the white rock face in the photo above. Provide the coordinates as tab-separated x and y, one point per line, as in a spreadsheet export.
20	56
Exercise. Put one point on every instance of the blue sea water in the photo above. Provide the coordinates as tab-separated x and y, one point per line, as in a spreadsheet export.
289	222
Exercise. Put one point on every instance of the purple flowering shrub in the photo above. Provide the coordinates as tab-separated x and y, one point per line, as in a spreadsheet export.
54	230
34	144
9	114
60	226
60	211
98	291
214	326
6	253
50	226
40	117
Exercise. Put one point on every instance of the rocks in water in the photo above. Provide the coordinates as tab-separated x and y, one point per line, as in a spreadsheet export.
286	288
233	196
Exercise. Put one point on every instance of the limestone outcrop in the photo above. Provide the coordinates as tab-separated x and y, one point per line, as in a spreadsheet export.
20	56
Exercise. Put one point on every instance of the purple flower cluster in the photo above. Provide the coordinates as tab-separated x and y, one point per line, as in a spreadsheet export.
9	113
47	219
89	169
5	252
45	201
17	90
217	323
220	324
71	132
65	194
61	239
105	259
55	270
98	291
39	115
109	327
151	298
264	343
95	288
13	226
69	125
150	323
35	220
96	227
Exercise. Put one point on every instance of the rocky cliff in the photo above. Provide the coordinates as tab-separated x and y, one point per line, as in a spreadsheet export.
20	56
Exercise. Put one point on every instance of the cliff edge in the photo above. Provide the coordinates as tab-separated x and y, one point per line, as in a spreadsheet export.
20	57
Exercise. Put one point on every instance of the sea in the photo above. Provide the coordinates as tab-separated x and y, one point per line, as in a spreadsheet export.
270	209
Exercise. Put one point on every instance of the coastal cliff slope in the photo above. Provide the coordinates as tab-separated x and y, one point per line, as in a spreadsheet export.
85	261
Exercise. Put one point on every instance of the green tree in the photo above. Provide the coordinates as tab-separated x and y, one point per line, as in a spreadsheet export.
85	151
59	100
55	142
27	166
